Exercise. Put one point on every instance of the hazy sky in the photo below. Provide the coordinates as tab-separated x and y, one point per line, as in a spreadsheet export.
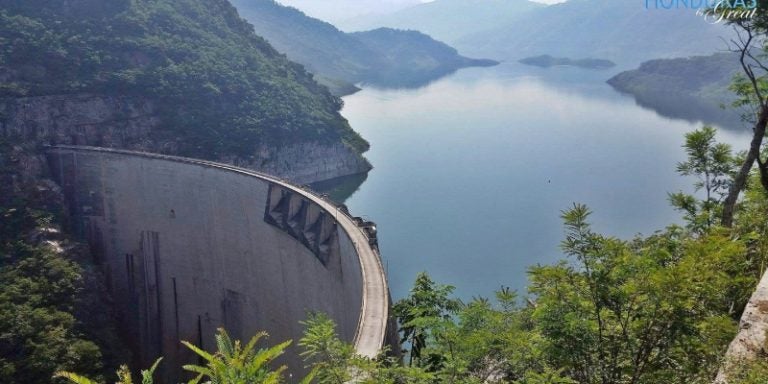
337	10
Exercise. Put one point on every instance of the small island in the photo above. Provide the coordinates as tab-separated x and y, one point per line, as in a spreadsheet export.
546	61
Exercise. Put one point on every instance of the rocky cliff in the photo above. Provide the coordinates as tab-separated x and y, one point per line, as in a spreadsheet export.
132	122
751	342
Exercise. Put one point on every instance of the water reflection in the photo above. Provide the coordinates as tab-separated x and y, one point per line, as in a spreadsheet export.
401	80
691	110
340	188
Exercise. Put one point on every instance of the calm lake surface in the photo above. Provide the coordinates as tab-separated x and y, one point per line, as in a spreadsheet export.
472	171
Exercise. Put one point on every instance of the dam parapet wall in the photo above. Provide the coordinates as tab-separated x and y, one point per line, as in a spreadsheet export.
188	246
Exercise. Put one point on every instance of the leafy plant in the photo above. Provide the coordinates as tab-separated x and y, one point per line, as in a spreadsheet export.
123	374
713	164
235	363
331	359
427	305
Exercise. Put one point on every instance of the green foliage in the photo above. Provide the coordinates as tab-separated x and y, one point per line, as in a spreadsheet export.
708	160
235	363
123	374
40	334
752	226
333	361
712	163
54	313
74	378
754	372
549	376
219	88
423	310
653	310
330	358
746	99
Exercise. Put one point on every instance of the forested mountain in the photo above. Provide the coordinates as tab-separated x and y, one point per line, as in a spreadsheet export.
448	20
691	88
220	88
383	57
410	58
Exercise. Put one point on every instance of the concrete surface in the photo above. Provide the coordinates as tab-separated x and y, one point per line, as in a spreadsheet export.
188	246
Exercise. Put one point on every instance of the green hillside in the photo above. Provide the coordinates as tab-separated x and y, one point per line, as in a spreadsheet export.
382	57
218	86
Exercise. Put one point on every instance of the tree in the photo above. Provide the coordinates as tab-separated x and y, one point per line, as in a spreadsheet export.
426	306
331	359
751	88
712	163
40	334
491	340
653	310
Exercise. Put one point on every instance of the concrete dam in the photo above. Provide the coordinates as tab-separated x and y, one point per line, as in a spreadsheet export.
188	246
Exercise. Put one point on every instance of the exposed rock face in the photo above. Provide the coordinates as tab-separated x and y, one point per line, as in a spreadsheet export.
308	162
104	121
751	341
133	123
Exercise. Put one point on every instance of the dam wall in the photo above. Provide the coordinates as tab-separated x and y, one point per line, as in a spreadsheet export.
188	246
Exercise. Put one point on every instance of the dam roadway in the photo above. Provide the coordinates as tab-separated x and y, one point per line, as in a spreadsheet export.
191	245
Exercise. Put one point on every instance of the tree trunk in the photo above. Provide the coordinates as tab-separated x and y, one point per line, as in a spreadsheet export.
763	166
740	181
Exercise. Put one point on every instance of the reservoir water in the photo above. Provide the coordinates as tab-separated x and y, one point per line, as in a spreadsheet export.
472	171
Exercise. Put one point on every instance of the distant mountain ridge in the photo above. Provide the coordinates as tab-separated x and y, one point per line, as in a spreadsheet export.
622	31
448	20
382	57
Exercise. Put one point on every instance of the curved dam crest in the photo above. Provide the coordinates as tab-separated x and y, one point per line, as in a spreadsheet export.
188	246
